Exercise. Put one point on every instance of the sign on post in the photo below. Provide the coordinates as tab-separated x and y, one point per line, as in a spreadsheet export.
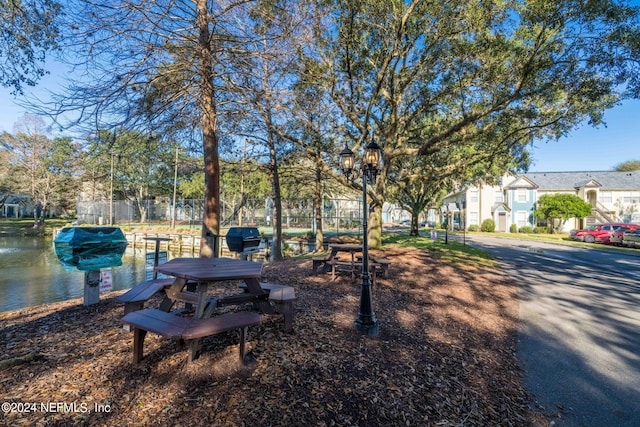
106	281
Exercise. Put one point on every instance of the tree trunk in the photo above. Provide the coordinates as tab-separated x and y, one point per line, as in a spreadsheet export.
414	224
375	224
276	246
211	217
318	208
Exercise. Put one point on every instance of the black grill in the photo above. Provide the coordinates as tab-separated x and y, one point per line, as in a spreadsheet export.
243	239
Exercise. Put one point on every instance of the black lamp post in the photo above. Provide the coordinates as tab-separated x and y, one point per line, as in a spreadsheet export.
371	163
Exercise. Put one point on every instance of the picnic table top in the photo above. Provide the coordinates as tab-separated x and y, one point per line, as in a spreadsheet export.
210	269
347	247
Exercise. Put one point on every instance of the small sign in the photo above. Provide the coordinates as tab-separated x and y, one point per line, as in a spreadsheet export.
106	281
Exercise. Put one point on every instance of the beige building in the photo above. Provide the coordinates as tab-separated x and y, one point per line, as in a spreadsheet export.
614	197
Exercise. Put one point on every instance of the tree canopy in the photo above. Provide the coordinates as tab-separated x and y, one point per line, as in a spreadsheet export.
468	85
628	166
473	82
28	29
558	208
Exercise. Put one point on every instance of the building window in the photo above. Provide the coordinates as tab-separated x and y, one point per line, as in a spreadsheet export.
499	197
630	197
473	218
521	218
521	195
473	196
606	197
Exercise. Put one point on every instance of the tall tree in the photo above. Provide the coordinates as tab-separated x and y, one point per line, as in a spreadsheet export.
28	30
162	67
273	27
484	78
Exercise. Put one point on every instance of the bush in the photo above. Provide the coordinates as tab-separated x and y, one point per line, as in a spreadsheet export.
474	227
488	225
543	230
513	228
526	229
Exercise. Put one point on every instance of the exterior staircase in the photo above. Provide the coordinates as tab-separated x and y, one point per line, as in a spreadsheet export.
600	213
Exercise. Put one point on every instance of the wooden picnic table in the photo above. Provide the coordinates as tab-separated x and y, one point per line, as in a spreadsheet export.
199	273
192	277
350	248
331	261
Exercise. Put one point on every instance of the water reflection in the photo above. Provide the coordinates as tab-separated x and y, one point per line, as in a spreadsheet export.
30	273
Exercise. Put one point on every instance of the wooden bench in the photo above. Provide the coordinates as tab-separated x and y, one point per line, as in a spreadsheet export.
383	263
183	328
322	261
135	297
282	296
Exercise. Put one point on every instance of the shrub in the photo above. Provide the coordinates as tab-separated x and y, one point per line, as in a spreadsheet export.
488	225
543	230
474	227
513	228
526	229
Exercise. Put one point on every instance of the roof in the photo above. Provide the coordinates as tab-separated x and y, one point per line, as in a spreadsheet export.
522	182
606	180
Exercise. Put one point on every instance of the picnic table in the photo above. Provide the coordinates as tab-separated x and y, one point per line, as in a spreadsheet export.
332	262
192	278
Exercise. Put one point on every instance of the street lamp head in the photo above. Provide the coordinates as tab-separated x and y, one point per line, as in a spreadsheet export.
347	160
371	163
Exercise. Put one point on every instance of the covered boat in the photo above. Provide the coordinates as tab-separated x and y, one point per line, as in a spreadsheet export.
80	236
90	248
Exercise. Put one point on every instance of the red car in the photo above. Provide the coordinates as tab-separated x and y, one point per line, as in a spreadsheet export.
600	233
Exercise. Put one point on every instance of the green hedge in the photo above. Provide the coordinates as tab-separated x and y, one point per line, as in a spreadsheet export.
488	226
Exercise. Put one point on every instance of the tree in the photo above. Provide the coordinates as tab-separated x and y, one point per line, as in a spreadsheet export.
140	165
162	68
558	208
266	74
28	29
628	166
473	81
414	187
42	167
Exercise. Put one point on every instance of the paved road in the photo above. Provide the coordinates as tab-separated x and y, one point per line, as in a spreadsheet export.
579	342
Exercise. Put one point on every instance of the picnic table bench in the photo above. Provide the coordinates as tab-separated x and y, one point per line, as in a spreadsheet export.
135	297
383	263
322	261
282	296
182	329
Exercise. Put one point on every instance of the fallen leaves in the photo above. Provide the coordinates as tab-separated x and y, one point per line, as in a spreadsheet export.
445	356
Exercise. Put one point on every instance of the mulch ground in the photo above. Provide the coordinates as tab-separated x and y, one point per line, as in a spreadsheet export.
445	356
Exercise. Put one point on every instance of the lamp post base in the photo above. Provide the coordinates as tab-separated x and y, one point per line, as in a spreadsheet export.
367	327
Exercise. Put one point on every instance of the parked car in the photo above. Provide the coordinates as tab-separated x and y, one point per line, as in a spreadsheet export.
578	234
600	233
618	236
631	239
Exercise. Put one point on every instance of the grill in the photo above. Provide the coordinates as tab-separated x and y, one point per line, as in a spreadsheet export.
243	240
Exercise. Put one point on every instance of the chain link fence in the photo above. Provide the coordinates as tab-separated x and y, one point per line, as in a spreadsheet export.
337	214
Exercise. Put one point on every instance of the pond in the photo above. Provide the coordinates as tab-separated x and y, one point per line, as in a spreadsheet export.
31	274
